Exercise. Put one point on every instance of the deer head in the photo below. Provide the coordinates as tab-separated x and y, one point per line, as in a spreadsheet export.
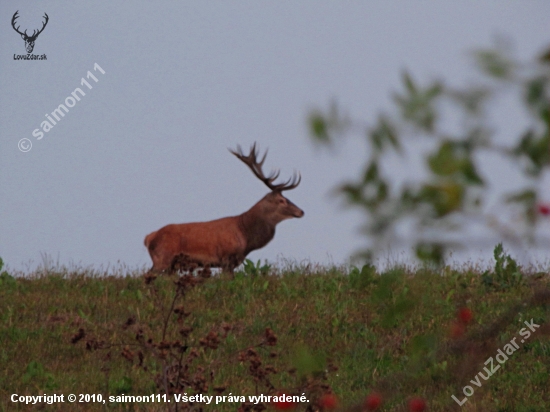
274	206
29	40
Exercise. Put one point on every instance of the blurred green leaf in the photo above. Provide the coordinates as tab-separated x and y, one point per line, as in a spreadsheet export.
417	105
535	95
371	173
494	63
471	99
528	198
352	192
322	125
443	197
445	162
370	192
536	150
383	135
545	57
408	82
452	158
318	127
470	173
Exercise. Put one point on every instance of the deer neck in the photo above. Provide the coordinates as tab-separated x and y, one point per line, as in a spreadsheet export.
257	230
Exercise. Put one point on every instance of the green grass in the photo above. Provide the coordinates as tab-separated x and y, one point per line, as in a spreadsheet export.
349	332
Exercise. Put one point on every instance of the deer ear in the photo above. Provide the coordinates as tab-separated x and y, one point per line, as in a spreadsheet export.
23	36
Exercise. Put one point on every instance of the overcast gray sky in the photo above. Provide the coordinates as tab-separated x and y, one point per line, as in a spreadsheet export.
182	82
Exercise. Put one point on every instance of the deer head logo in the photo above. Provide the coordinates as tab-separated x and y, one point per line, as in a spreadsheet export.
29	40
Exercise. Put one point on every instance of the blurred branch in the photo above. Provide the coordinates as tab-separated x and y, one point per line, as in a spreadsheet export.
454	184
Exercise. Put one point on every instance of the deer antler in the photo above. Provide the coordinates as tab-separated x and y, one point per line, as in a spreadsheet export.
256	167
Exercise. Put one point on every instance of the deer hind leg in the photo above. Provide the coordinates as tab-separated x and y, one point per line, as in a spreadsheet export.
158	268
162	259
160	264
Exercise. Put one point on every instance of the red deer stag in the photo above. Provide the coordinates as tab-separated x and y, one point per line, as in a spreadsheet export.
225	242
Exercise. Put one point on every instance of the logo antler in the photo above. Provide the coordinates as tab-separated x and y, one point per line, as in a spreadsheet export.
29	40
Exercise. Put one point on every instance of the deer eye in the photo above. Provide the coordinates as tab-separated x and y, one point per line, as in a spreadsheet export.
282	201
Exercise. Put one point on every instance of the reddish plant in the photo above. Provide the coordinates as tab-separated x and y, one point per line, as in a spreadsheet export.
457	330
543	209
373	401
417	404
328	401
465	315
283	405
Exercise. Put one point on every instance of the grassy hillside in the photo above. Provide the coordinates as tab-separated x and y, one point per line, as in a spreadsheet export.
336	336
